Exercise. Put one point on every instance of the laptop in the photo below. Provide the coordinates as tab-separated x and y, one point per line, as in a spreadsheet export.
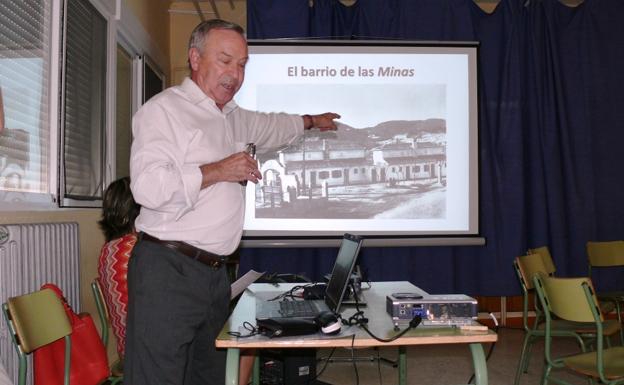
334	293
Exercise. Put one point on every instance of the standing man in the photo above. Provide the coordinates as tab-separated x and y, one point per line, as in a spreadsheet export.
186	164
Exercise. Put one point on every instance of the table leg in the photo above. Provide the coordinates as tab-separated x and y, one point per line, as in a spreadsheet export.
231	366
255	379
402	365
478	361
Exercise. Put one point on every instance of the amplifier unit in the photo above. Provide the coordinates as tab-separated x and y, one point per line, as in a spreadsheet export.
438	309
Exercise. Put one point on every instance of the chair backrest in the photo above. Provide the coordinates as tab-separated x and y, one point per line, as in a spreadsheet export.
571	299
604	254
37	319
102	309
527	266
546	258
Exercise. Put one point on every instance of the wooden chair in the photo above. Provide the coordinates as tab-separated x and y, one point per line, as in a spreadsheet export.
34	320
574	299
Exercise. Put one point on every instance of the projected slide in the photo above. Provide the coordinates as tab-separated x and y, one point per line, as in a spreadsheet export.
403	160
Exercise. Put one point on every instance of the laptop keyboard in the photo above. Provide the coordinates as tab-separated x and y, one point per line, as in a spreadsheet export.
298	309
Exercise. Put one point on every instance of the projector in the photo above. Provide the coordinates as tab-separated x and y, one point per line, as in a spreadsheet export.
435	309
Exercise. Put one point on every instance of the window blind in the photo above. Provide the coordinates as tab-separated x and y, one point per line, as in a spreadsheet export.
123	110
24	86
82	166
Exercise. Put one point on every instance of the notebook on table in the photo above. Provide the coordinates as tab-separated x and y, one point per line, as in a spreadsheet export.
334	293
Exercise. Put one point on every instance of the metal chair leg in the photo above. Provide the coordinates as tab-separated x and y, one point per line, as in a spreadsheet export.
523	362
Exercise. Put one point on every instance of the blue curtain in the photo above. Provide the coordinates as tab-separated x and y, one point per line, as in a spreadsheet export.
551	132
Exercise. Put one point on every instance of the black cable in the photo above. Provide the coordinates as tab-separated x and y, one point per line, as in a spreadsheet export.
356	319
412	324
357	375
318	373
290	294
361	321
253	331
326	363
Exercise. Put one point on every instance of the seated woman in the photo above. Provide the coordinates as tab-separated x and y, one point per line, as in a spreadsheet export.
119	210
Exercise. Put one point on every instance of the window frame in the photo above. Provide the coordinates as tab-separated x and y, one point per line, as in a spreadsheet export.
124	29
131	49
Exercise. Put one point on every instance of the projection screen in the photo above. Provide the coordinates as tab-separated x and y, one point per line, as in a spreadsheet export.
402	168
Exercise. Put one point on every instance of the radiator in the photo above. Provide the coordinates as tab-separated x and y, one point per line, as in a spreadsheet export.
31	255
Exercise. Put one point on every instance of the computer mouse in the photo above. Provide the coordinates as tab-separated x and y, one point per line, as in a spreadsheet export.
328	322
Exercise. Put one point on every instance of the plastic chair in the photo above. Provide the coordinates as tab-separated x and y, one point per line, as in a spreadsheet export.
34	320
547	259
606	306
526	267
102	309
574	299
603	255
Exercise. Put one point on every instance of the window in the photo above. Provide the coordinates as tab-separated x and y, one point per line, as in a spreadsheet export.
323	174
132	69
62	150
84	105
336	173
153	79
123	112
25	57
355	171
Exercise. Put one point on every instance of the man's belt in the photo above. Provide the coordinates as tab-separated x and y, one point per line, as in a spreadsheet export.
207	258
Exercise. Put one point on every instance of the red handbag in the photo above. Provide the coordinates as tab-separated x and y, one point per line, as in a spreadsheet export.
89	362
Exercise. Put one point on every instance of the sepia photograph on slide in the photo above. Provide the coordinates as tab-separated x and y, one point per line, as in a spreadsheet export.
393	169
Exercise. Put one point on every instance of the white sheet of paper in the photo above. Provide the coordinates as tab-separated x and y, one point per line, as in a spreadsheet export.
241	284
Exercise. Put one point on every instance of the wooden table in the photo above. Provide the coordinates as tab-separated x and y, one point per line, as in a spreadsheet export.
380	324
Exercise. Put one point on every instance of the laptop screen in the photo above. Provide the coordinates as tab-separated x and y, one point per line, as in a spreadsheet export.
340	275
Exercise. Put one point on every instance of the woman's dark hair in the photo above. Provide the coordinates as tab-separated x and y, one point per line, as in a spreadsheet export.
119	210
